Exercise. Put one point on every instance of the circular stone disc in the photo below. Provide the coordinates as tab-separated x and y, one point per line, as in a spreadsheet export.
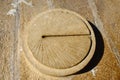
59	39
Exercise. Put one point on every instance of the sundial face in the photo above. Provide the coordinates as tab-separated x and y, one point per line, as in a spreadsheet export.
59	40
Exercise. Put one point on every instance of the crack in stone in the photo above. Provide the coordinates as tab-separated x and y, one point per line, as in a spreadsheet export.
99	25
50	4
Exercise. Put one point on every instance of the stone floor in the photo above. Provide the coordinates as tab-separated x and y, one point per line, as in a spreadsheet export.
103	15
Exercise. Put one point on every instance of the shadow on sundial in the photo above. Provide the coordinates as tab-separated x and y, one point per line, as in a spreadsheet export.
98	52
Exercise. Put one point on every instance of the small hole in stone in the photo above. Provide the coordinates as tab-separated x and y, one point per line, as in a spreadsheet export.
43	36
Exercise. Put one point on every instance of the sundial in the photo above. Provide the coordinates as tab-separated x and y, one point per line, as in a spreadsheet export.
58	42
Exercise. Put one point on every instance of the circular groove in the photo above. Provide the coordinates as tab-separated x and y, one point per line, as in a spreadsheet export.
49	65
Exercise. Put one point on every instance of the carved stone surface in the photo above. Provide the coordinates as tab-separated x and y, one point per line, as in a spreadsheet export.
103	14
58	42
